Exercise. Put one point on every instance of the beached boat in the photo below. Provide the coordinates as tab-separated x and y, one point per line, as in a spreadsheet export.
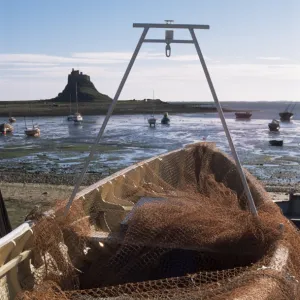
291	208
33	131
286	116
165	120
243	115
152	121
274	125
176	225
70	117
12	120
276	142
6	128
77	117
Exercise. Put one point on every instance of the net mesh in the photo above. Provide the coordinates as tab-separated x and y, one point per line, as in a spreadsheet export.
176	227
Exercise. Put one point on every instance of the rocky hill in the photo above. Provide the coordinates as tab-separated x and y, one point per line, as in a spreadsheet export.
86	91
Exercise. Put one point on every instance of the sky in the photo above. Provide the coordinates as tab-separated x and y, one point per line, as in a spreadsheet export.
251	50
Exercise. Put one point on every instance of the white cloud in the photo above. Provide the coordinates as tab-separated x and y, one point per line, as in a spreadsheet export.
25	64
188	57
50	59
36	76
85	58
271	58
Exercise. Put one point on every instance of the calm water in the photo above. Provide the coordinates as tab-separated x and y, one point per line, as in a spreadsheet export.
128	139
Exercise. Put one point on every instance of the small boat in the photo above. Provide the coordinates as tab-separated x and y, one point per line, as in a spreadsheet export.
243	115
12	120
34	131
77	118
6	128
176	224
291	208
286	116
165	120
276	142
152	121
70	117
274	125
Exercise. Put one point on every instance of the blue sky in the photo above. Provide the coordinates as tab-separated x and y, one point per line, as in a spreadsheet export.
252	48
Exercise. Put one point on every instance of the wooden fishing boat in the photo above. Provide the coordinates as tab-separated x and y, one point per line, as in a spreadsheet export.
176	225
34	131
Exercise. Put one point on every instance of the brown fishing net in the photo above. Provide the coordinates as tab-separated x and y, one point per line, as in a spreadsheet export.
176	227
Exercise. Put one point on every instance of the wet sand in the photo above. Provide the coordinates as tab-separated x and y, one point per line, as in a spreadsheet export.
51	163
20	198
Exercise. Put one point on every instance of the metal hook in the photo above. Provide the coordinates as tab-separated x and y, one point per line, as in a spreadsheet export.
168	50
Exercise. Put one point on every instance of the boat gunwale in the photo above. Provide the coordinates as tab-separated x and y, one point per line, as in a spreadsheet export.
99	183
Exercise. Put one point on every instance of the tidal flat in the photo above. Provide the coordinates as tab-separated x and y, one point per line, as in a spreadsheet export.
57	156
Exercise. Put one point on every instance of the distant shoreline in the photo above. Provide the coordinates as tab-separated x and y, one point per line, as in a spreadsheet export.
95	108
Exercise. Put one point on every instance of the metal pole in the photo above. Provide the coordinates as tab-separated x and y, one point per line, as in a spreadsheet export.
220	111
70	104
110	111
76	96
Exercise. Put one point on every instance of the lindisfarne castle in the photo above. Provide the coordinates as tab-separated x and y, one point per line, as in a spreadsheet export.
77	76
85	91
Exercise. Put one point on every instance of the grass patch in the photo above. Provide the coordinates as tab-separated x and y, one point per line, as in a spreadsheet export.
8	154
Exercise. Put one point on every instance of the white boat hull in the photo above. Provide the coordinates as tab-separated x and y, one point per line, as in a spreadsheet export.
34	132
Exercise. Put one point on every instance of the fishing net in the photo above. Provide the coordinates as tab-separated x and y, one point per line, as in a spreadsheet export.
175	227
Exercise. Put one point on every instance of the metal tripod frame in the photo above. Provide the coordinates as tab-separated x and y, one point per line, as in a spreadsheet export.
146	27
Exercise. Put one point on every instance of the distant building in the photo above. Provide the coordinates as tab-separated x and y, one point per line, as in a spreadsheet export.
76	76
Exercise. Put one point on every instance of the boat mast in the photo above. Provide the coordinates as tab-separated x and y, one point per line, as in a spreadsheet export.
70	104
153	102
287	108
76	97
293	107
167	40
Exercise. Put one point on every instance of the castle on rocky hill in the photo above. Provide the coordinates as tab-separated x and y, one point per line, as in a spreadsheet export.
85	91
76	76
